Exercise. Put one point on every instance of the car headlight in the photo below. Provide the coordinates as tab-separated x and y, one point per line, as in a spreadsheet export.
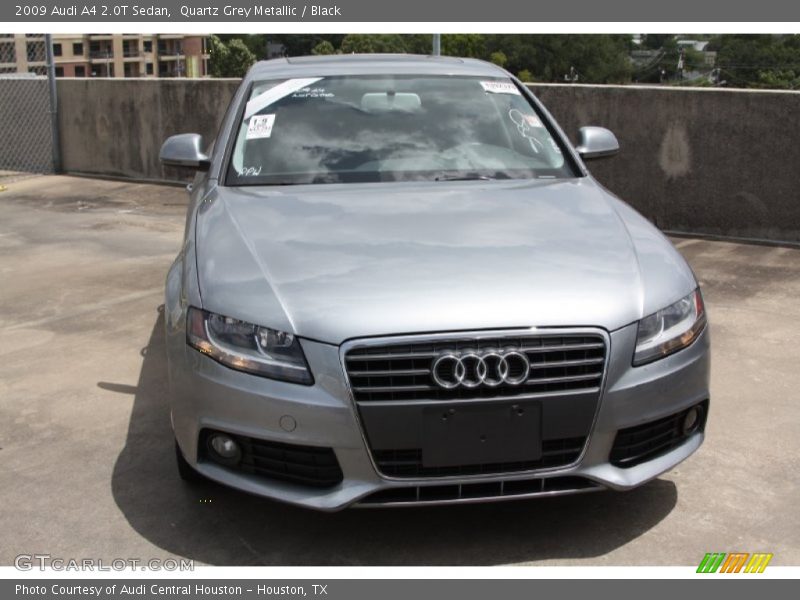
670	329
246	347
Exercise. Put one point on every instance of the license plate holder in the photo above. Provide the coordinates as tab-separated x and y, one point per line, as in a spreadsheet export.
485	433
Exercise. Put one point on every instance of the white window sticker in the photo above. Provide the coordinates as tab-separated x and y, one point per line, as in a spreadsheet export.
274	94
533	121
260	126
313	92
500	87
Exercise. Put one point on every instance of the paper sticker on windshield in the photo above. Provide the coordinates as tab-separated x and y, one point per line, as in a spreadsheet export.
500	87
313	92
260	126
274	94
533	121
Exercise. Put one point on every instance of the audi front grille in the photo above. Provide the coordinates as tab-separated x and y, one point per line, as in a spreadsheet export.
404	371
472	405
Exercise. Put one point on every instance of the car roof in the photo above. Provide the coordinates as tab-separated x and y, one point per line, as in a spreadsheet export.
371	64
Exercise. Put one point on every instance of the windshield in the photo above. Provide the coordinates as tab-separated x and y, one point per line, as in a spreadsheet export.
391	128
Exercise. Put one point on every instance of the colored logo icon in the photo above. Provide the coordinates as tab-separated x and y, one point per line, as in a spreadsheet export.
734	562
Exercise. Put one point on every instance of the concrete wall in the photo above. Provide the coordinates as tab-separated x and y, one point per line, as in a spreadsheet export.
116	127
720	162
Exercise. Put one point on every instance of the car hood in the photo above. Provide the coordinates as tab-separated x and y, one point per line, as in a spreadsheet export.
333	262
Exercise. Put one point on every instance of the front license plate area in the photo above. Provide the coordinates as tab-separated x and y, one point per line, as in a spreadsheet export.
486	433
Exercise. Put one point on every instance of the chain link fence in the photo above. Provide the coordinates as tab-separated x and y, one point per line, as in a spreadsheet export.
26	127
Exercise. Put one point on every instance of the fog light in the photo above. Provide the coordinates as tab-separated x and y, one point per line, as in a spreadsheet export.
225	448
691	422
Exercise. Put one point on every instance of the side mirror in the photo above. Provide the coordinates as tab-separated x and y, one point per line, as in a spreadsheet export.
184	150
596	142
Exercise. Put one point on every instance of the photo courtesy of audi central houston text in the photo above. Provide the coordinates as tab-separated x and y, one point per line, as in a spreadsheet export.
400	285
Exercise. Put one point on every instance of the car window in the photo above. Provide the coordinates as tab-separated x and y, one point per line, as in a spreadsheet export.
390	128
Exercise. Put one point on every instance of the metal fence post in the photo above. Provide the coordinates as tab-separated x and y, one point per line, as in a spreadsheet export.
51	83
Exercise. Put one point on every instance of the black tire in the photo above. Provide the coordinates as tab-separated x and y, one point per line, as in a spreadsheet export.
185	470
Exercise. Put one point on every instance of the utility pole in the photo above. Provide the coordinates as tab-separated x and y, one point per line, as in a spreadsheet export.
437	44
572	76
51	86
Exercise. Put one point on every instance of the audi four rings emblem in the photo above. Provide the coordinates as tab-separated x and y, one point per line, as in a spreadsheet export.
472	368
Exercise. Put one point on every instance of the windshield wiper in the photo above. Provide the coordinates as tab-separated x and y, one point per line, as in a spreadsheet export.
465	178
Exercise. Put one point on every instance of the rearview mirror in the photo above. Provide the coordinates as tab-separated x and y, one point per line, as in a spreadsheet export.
184	150
386	101
596	142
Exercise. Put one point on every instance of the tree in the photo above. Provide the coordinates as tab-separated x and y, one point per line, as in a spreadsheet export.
656	41
324	47
598	58
229	59
498	58
525	76
758	61
256	43
419	43
303	44
472	45
361	43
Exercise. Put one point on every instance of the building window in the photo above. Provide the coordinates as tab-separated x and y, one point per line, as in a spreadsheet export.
130	48
131	70
56	49
77	48
80	71
36	52
8	53
148	45
149	68
59	71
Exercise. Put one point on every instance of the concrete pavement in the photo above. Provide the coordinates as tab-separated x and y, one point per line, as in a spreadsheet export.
86	448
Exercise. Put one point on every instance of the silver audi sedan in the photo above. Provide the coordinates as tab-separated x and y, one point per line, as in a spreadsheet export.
400	285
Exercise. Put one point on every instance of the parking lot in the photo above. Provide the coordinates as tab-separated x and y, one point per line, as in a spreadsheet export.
86	448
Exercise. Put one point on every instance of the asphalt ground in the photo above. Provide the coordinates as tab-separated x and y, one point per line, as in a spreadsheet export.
86	457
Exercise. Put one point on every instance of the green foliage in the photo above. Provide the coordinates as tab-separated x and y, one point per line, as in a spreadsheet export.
759	61
324	47
692	59
362	43
499	58
421	43
779	79
302	44
256	43
596	58
231	58
525	76
470	45
656	41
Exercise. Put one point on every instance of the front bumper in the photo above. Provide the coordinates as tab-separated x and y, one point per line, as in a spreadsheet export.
207	395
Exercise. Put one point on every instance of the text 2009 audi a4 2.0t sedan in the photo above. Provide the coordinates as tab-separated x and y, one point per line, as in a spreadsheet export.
400	285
